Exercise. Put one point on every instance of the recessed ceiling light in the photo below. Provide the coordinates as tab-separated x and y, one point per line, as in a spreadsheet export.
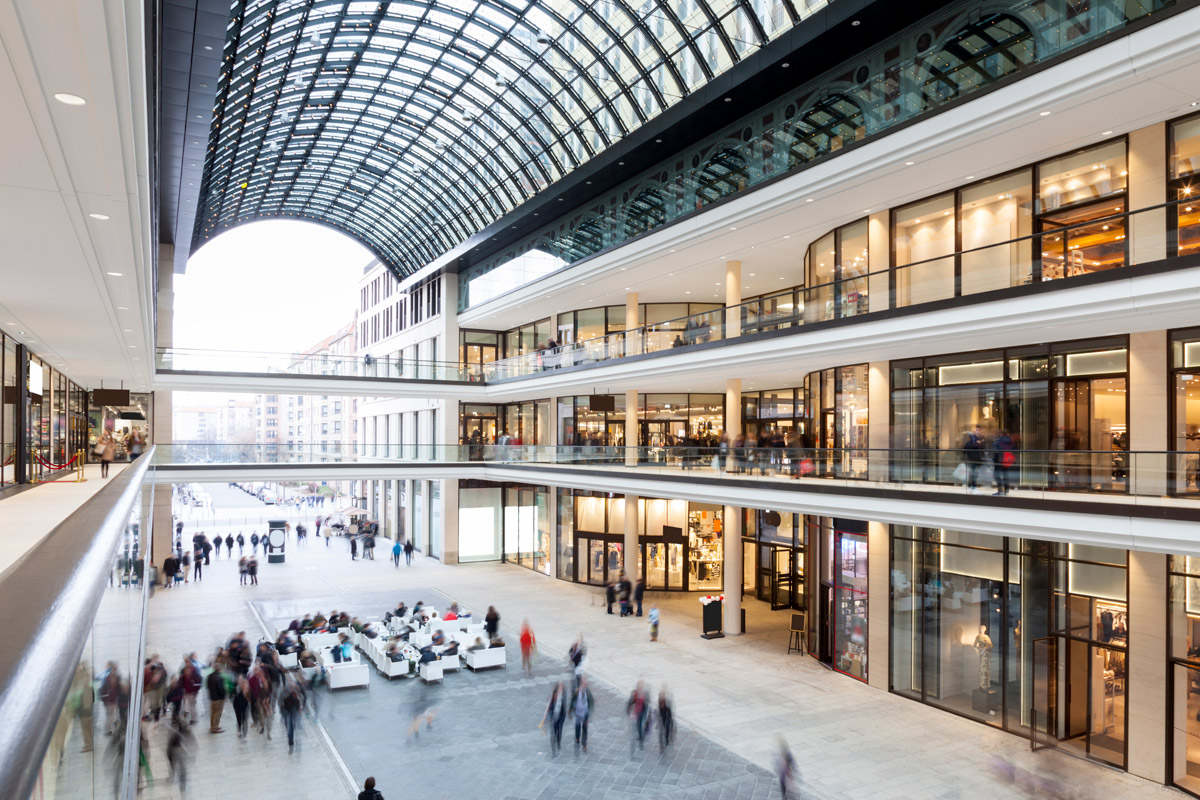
133	347
751	274
732	228
909	163
98	216
70	99
658	141
204	86
809	200
728	99
627	288
866	211
788	236
855	23
1106	133
128	330
785	65
115	274
1043	113
11	323
208	47
122	308
970	177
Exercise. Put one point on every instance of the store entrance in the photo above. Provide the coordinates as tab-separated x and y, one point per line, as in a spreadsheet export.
781	581
1079	698
598	558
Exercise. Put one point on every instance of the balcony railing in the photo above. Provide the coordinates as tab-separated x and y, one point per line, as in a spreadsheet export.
70	673
1097	245
293	365
1028	472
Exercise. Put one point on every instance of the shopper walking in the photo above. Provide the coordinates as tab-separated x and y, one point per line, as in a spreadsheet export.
241	706
638	709
198	560
785	768
228	545
180	745
666	719
639	589
556	714
528	643
973	452
291	703
408	552
369	791
397	549
108	450
1005	462
582	706
216	698
241	540
154	688
185	563
252	570
653	623
254	543
192	681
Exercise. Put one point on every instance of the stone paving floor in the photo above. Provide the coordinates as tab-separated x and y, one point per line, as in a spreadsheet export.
734	698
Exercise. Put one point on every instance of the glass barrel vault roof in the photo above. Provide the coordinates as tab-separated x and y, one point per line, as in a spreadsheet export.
413	125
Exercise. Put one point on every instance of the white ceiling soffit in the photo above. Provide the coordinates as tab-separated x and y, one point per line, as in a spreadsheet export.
1149	76
74	188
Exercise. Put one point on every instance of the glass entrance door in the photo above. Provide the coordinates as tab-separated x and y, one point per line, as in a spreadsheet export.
598	560
782	578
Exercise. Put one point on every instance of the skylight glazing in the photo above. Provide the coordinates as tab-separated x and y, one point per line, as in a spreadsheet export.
413	125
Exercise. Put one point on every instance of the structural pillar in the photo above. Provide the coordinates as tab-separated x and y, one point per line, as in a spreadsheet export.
633	333
733	299
879	259
162	410
1146	689
631	537
450	521
1148	187
879	556
878	430
731	545
1146	412
631	427
733	417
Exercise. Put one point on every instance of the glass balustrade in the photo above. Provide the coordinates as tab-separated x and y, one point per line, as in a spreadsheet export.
1112	472
179	359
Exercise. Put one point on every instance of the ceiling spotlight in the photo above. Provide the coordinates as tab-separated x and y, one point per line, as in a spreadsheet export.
122	308
909	163
98	216
208	47
785	65
1043	113
114	274
70	99
855	23
809	200
728	99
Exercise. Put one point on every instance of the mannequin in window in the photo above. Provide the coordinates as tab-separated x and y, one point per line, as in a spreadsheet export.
983	646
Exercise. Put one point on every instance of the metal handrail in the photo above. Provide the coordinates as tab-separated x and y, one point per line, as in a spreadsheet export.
56	589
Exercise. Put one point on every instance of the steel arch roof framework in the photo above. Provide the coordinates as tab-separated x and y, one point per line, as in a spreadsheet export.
412	125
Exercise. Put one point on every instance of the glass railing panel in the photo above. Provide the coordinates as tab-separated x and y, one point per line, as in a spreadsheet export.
182	359
97	738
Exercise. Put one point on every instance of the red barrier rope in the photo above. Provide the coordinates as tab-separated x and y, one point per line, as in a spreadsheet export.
51	466
11	458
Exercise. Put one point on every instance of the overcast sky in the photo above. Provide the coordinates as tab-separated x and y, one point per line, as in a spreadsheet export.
270	286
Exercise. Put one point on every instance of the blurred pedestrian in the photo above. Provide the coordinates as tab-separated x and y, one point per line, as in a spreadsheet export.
354	548
397	549
243	570
666	719
216	698
198	560
291	704
653	623
575	657
528	643
582	706
786	767
180	745
241	540
639	589
252	570
229	545
408	551
556	714
638	709
254	543
241	706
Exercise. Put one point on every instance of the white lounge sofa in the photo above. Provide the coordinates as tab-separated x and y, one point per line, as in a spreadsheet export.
431	671
484	659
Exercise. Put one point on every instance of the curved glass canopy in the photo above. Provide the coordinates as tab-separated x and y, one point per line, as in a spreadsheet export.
413	125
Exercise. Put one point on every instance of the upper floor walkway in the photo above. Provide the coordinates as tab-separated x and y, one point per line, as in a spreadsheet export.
1133	500
873	316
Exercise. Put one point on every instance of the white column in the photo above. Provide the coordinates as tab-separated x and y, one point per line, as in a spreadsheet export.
631	427
731	571
552	523
879	259
733	297
733	416
450	521
1147	411
162	411
879	556
631	536
879	401
633	337
1148	187
1146	686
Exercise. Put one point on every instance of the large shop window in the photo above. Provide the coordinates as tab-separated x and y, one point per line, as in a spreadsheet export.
680	543
1025	635
839	423
773	557
850	603
837	266
1185	411
1081	206
1185	164
1062	409
1184	643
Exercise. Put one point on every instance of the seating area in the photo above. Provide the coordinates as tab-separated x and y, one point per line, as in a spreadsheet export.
412	634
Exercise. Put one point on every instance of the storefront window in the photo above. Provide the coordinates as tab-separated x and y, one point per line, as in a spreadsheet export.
992	215
923	239
671	420
1001	629
774	557
566	535
8	411
837	266
1081	203
839	422
1184	638
850	599
1185	164
480	520
1185	411
706	556
1060	410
